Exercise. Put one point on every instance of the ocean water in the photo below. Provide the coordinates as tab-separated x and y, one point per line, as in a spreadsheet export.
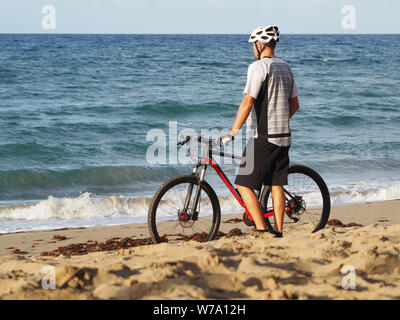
75	111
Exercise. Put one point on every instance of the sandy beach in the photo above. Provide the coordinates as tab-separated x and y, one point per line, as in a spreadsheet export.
245	266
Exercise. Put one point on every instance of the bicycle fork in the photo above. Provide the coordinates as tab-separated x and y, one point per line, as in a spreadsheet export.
194	215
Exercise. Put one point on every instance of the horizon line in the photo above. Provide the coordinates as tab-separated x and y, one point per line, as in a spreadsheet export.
116	33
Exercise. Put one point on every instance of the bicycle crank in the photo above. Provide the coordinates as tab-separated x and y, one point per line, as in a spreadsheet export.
247	221
297	207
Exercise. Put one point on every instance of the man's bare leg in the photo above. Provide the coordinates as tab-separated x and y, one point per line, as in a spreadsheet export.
278	199
253	205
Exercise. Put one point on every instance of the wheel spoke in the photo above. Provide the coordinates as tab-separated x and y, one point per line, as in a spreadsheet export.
302	182
170	218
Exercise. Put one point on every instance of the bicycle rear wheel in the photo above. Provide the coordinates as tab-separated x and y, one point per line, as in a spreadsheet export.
308	202
172	215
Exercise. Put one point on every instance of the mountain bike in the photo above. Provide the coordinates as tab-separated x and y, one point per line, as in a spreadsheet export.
187	206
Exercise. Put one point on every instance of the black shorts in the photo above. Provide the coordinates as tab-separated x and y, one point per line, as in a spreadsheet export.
270	166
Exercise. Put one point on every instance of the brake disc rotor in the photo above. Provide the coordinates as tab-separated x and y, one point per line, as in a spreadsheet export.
185	219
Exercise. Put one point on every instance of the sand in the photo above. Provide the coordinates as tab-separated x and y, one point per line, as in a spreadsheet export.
360	262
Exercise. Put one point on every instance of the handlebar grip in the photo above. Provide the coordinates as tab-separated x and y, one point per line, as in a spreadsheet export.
186	140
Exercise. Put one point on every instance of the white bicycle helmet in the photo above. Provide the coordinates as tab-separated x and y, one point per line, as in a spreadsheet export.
265	34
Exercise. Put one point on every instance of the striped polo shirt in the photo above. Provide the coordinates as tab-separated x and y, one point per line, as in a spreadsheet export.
271	82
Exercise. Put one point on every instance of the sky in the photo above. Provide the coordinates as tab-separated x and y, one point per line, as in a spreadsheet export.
199	16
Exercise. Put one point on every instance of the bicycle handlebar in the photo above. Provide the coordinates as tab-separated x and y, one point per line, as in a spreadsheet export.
210	143
186	139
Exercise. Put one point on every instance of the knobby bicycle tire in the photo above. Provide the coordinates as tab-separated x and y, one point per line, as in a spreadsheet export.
326	201
184	179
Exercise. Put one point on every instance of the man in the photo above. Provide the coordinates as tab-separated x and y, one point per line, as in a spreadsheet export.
270	98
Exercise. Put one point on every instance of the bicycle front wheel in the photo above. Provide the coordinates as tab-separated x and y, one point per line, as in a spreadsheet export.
308	202
173	215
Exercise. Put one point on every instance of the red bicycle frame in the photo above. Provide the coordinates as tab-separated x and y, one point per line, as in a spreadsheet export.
208	160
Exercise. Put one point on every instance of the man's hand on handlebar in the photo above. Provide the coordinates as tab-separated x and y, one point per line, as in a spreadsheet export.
220	142
224	140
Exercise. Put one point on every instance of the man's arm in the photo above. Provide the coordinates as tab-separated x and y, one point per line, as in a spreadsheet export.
294	105
242	113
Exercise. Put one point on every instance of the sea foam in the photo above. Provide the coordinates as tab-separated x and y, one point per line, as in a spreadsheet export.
88	210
